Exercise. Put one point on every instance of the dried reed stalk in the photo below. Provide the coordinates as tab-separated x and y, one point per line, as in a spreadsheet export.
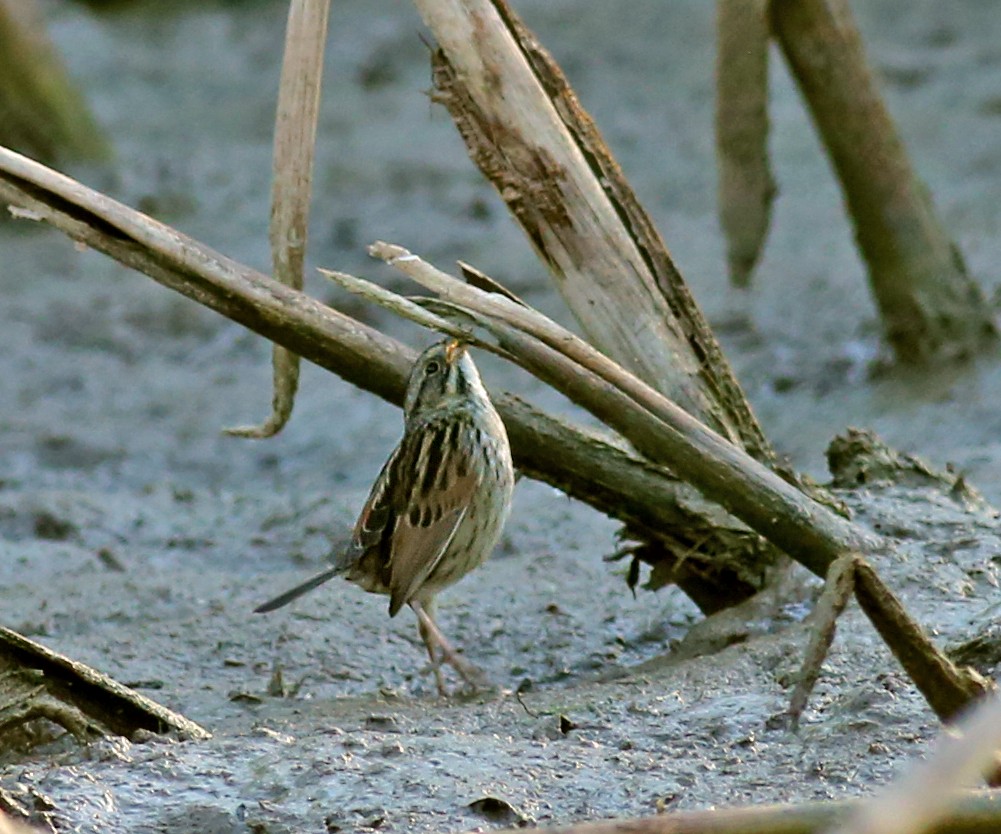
527	132
291	185
36	682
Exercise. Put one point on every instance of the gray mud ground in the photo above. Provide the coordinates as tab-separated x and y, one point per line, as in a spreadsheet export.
135	537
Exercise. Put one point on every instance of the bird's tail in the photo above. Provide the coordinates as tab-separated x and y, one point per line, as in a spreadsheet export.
298	591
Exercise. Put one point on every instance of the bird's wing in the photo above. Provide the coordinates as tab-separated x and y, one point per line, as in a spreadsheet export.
416	505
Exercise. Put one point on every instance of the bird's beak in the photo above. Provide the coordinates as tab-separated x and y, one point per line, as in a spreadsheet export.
453	350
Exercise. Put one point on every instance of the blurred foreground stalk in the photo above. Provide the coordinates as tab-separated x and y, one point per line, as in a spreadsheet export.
41	112
971	815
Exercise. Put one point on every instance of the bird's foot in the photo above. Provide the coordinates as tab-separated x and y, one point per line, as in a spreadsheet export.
475	678
440	650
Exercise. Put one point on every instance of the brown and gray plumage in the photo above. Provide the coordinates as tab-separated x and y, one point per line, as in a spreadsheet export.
438	506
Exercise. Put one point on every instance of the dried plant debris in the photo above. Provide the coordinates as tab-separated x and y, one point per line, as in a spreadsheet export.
982	651
26	807
860	458
37	683
499	811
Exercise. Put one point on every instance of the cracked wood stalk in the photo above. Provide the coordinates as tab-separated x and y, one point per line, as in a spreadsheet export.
529	136
930	307
526	131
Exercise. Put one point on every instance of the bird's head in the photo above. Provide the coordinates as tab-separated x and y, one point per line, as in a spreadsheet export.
442	375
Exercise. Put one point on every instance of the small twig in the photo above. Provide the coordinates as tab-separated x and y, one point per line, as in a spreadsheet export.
947	688
837	592
524	706
407	308
482	281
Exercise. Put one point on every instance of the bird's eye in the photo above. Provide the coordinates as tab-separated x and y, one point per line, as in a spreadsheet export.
432	368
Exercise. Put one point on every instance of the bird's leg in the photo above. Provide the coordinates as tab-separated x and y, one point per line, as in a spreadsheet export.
429	643
434	639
